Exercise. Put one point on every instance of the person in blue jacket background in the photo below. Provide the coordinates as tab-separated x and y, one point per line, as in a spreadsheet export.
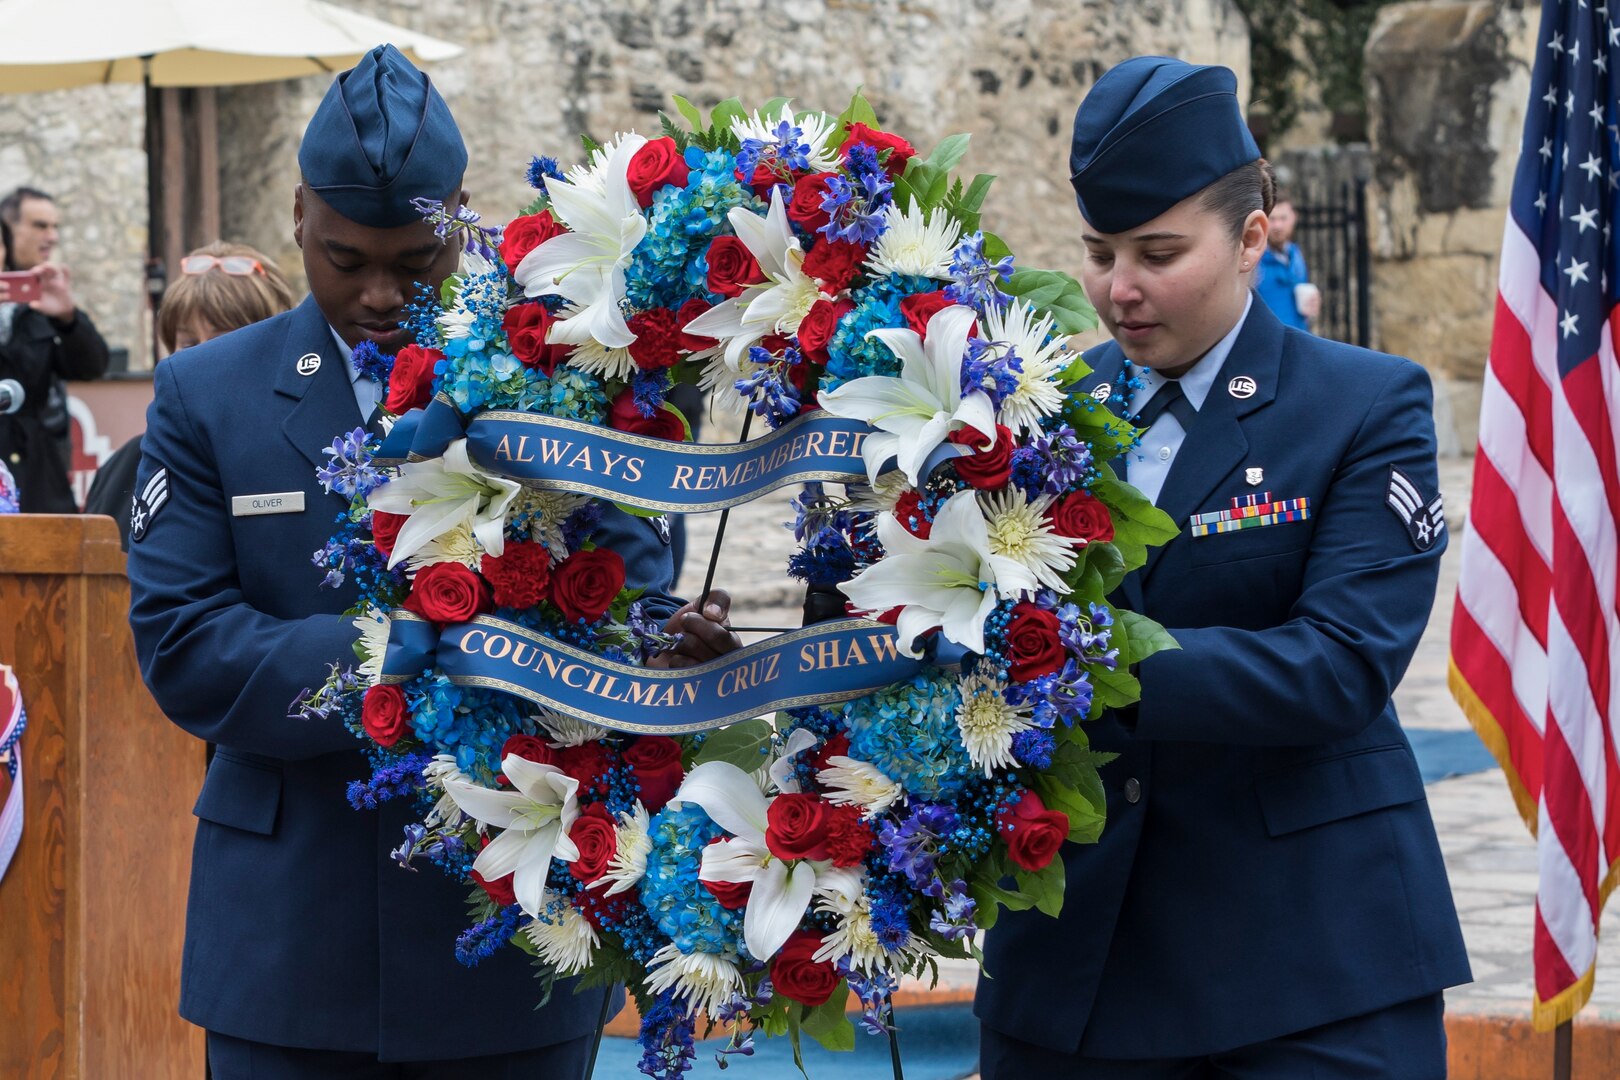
1268	898
308	952
1281	271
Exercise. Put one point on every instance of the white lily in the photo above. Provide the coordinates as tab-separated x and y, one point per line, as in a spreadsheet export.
951	580
441	493
586	264
775	306
915	413
781	770
534	819
782	890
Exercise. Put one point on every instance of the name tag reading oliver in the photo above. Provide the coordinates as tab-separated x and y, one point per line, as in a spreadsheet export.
278	502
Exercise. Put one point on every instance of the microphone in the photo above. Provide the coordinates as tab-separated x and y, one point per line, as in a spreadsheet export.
11	396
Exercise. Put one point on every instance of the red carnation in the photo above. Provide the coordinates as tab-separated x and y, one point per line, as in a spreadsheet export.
526	327
837	746
908	510
732	266
805	210
594	836
1083	517
384	714
848	837
1033	645
589	763
410	381
988	468
447	592
819	325
835	264
519	576
526	233
900	151
1033	833
584	585
624	415
658	339
657	163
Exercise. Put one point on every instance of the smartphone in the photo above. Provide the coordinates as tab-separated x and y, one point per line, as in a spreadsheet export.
19	286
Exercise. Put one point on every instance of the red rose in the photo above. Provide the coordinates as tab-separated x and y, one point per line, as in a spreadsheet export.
835	264
908	511
525	234
1034	833
796	973
657	163
689	311
732	266
623	415
529	748
519	576
384	714
385	529
1033	646
837	746
447	592
805	210
656	762
848	837
731	895
593	835
819	325
589	763
987	468
1081	516
920	307
900	151
526	326
499	890
658	339
410	383
584	585
762	181
796	827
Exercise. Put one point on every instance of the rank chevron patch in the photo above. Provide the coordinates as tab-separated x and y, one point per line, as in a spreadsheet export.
147	504
1424	520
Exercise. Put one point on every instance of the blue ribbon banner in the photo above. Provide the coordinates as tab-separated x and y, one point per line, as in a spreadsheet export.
652	474
821	664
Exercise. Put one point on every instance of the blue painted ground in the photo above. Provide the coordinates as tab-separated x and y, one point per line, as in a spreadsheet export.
1448	753
938	1043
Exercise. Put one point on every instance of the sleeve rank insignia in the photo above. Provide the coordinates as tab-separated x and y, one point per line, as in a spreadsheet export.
1424	520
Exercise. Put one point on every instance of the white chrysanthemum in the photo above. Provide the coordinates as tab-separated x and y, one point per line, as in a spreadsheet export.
1019	530
568	730
588	174
544	513
373	627
434	774
816	131
1042	358
988	723
858	783
852	935
562	936
597	359
629	863
718	380
916	243
708	981
880	497
456	323
453	545
472	262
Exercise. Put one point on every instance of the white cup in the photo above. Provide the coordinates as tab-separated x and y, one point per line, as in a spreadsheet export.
1308	299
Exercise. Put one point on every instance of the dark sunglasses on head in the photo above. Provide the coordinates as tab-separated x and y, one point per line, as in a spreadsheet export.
235	265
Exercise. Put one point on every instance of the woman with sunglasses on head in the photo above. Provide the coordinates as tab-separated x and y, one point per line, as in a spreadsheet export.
222	287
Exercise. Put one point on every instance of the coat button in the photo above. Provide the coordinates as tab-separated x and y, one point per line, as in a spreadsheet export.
1133	790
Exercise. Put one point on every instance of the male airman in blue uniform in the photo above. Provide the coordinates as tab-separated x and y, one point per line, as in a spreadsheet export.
1268	899
308	953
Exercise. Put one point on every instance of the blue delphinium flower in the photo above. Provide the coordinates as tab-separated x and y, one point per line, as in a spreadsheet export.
392	779
825	561
485	939
913	843
953	919
907	731
1065	459
975	280
771	394
854	206
666	1039
350	472
462	222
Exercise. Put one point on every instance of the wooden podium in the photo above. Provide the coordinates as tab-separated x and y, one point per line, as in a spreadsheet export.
92	910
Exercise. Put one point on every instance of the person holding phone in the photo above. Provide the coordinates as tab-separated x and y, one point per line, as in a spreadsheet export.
42	341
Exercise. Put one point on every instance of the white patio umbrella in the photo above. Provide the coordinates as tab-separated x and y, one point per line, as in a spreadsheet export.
58	44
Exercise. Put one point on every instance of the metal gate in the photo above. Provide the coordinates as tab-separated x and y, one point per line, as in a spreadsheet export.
1332	235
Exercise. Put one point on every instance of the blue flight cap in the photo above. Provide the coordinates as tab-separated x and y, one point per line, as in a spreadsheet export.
382	137
1152	131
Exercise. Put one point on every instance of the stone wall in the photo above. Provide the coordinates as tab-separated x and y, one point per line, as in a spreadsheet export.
1447	87
86	147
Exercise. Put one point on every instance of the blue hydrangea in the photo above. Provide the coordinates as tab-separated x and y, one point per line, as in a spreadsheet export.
670	892
667	268
569	393
470	724
908	731
877	306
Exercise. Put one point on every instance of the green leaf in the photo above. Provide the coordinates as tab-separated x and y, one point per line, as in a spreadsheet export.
987	894
1143	522
1114	688
1146	636
973	200
949	152
773	107
1077	370
723	114
1057	294
743	745
673	131
1108	562
689	112
859	112
541	202
794	1017
828	1024
995	247
590	144
1046	886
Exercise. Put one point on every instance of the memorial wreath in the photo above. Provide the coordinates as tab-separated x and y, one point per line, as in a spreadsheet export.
747	842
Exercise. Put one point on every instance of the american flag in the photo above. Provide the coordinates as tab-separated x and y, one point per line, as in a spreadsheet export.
1535	619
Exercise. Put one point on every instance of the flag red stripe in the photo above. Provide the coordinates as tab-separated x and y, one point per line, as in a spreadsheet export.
1494	515
1491	680
1553	974
1570	811
1513	361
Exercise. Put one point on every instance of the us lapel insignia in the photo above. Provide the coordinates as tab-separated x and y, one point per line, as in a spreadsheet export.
309	363
1254	477
1242	387
1101	391
147	503
1424	519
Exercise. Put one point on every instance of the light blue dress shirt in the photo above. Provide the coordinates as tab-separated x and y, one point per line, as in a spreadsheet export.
367	392
1151	462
